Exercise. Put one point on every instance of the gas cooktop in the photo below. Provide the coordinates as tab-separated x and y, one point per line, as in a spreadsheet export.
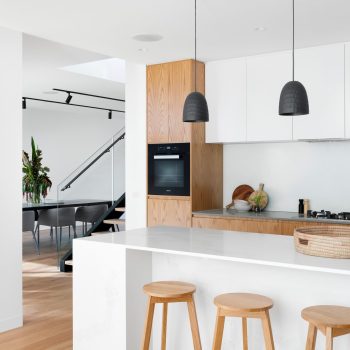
325	214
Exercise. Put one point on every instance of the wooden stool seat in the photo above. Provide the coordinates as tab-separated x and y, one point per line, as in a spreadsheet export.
165	292
169	289
243	302
333	321
327	316
244	305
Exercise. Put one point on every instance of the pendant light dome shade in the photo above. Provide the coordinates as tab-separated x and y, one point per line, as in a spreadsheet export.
195	108
293	99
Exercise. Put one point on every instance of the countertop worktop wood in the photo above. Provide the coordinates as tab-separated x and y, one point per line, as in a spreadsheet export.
252	248
265	215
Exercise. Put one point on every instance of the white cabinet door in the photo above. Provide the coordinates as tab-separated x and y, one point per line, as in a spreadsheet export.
266	76
347	90
321	71
225	90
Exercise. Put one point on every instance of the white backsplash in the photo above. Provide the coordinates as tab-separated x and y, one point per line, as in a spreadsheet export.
319	171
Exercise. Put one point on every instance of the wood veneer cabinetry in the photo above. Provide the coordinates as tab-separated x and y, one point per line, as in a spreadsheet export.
283	227
169	211
168	85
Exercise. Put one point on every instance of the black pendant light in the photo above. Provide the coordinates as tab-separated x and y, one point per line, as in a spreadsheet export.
196	107
293	99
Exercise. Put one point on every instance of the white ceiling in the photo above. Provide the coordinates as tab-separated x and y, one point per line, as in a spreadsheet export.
43	69
225	27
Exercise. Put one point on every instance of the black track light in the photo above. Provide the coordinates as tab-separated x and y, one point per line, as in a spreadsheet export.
24	103
69	98
110	115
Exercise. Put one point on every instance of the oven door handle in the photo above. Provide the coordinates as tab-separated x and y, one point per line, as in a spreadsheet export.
167	156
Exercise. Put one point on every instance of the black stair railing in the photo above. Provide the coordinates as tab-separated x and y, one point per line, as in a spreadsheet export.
101	154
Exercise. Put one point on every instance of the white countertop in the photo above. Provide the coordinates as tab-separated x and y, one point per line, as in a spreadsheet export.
253	248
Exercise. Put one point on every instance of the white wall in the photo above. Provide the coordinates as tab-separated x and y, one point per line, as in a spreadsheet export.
67	137
135	148
319	171
11	313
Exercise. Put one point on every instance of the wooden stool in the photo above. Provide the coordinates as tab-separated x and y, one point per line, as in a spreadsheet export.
170	292
243	305
332	321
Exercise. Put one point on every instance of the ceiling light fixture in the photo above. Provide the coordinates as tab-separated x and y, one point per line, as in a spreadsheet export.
196	107
109	114
25	98
260	29
293	99
147	37
90	95
69	98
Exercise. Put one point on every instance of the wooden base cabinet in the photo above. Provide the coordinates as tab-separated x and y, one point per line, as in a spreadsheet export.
281	227
170	212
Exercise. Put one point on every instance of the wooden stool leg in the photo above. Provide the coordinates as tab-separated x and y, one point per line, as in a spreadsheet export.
311	337
164	325
266	323
219	331
245	333
329	338
148	324
194	324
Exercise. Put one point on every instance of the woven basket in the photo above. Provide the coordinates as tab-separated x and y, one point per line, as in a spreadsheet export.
325	241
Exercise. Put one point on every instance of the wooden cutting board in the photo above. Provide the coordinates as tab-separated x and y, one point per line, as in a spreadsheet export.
264	198
242	192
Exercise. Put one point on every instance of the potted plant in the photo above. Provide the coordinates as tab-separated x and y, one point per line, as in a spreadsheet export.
36	182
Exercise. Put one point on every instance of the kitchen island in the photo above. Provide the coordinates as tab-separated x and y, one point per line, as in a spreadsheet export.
110	269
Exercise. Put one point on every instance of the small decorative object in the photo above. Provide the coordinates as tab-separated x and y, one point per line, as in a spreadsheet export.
306	206
259	199
36	182
242	205
301	206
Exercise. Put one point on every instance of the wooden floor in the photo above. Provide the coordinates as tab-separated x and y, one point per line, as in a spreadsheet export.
47	298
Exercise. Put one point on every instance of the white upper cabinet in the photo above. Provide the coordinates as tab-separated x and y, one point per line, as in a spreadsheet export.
347	90
321	71
225	90
266	76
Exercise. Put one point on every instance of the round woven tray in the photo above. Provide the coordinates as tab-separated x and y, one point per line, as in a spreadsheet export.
325	241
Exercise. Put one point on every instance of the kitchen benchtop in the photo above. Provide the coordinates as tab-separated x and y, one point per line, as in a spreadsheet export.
265	215
251	248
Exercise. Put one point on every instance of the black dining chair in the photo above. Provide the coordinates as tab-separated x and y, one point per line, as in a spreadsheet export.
28	225
57	218
90	214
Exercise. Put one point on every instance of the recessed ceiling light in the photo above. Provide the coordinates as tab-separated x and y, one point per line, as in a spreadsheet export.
147	37
142	49
51	92
260	29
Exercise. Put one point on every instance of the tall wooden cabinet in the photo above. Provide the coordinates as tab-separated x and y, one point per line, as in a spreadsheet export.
168	85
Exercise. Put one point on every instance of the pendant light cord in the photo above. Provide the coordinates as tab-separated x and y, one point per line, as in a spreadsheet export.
293	39
195	45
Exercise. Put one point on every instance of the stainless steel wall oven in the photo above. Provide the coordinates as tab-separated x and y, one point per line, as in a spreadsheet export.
169	169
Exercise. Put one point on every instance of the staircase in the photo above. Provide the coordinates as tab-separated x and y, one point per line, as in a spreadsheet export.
104	224
100	177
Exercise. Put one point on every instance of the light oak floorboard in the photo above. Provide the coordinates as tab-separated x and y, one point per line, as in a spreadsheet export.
47	299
